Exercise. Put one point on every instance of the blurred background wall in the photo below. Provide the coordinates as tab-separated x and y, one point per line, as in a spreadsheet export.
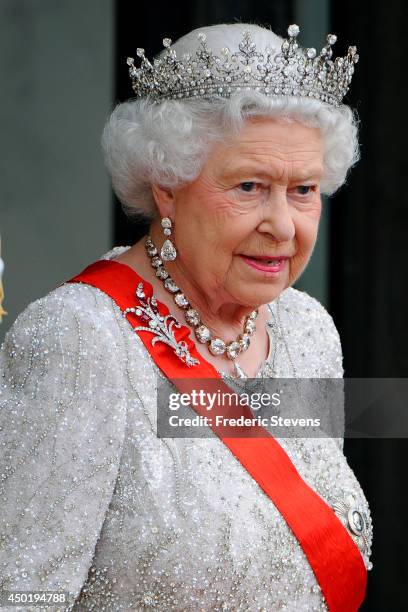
56	67
63	67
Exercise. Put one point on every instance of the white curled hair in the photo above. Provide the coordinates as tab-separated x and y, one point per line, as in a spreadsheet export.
167	143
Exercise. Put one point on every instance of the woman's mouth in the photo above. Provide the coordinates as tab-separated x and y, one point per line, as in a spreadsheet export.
273	265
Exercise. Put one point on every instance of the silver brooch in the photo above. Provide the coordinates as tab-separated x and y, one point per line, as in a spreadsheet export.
162	327
357	522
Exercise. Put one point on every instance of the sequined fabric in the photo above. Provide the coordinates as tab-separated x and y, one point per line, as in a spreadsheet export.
95	504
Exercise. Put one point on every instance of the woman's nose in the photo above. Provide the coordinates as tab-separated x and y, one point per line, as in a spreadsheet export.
277	218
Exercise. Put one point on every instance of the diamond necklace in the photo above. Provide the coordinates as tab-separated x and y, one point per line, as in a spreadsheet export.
216	346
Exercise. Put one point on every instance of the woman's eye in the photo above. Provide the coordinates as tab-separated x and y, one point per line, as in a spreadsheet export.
308	188
247	186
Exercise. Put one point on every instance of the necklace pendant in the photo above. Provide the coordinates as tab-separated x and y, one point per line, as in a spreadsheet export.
239	372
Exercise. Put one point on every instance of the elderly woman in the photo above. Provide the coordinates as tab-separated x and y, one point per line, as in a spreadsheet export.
231	139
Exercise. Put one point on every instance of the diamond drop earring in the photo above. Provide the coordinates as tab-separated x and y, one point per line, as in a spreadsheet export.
168	251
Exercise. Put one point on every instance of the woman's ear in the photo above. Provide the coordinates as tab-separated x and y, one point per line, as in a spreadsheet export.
165	201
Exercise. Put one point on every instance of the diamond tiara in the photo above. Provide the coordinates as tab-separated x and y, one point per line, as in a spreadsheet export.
291	71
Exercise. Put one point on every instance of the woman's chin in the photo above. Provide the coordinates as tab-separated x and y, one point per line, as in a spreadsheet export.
255	296
260	287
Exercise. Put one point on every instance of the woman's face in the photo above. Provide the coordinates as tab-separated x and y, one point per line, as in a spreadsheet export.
257	198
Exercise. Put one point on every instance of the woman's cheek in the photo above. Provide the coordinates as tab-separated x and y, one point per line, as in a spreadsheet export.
237	203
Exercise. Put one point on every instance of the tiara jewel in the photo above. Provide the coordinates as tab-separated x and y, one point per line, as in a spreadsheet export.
290	70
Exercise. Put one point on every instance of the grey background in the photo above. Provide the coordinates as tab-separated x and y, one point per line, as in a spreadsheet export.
56	67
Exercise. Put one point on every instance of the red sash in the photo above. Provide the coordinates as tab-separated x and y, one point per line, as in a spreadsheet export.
333	555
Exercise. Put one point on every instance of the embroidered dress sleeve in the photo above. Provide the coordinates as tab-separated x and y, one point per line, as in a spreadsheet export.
62	420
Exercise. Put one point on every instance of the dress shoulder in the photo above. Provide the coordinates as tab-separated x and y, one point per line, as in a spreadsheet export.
62	427
314	330
313	342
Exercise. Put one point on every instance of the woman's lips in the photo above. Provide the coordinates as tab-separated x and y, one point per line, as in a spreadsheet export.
261	263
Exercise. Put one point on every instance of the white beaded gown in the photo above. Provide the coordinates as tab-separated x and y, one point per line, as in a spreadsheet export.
94	503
